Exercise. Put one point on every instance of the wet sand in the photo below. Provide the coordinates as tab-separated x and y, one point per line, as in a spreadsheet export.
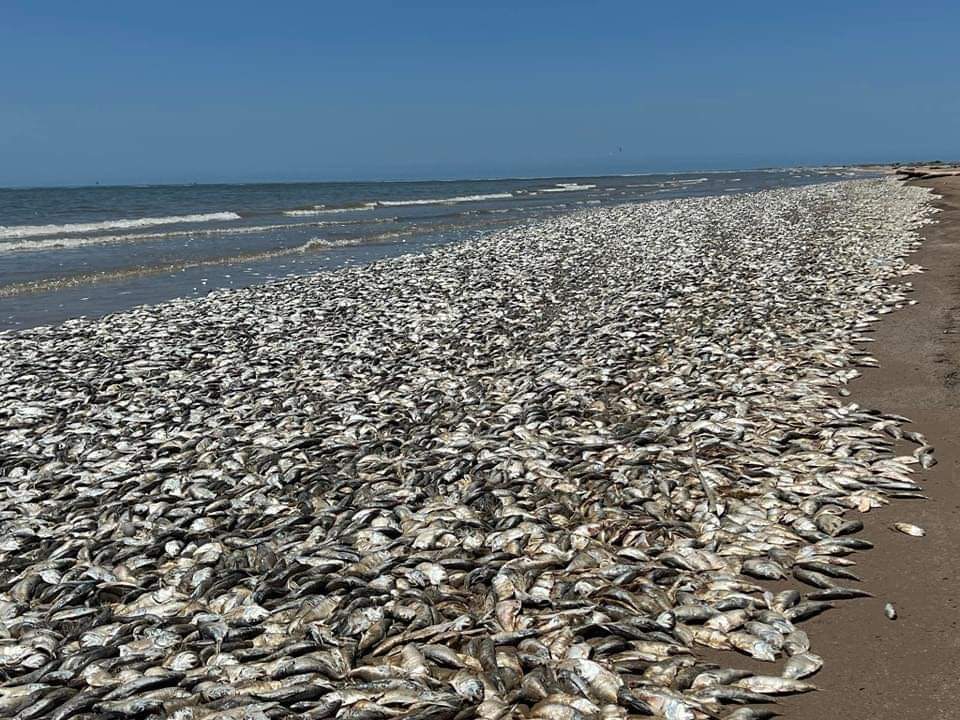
908	668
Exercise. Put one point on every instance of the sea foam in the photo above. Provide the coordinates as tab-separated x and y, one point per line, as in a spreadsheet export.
567	187
447	200
25	231
52	243
324	210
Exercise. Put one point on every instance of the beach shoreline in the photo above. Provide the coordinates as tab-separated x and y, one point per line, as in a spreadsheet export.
106	258
906	669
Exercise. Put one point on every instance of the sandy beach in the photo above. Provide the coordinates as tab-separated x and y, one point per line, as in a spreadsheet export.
479	361
907	669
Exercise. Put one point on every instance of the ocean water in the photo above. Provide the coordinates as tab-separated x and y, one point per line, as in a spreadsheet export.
90	251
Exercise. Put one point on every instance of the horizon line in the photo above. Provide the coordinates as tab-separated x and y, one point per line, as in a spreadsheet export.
492	178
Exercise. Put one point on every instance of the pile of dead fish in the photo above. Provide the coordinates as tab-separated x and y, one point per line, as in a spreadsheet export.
536	475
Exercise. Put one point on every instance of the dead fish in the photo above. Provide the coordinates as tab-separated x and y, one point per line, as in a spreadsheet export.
812	577
770	685
526	474
802	665
838	593
747	713
908	529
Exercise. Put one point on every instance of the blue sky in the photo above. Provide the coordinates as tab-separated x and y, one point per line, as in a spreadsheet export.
235	91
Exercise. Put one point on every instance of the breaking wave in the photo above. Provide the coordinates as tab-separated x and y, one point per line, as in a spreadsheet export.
444	201
567	187
26	231
324	210
58	243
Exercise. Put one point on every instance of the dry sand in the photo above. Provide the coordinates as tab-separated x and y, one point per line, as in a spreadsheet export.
909	668
926	172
